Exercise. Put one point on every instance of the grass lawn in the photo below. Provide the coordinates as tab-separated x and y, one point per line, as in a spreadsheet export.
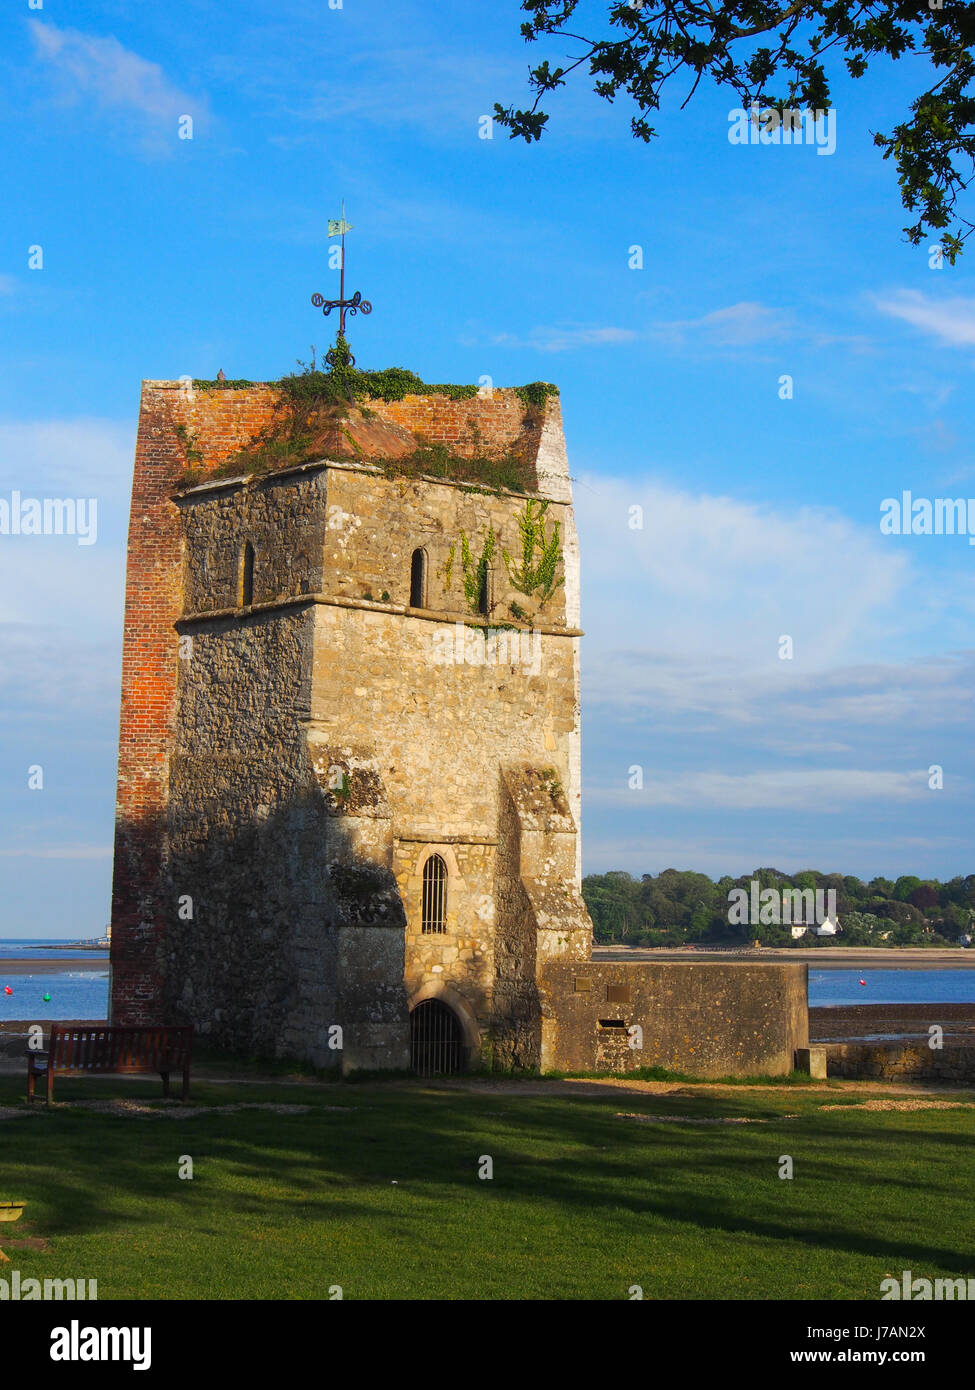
383	1197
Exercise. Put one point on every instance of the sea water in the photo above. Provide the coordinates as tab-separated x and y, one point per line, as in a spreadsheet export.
908	985
14	947
79	991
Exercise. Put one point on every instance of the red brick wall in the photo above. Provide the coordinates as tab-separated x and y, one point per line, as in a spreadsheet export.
219	422
498	418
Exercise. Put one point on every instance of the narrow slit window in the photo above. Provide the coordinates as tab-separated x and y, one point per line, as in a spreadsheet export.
418	579
484	592
434	912
247	576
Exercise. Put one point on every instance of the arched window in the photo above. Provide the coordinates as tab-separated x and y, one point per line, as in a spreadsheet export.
247	576
418	579
433	917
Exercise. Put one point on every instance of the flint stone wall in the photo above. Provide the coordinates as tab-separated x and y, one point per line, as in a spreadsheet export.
324	738
900	1062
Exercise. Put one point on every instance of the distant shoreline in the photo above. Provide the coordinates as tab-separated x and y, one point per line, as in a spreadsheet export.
825	957
74	946
50	965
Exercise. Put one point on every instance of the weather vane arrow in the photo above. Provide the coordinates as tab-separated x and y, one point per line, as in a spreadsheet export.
345	306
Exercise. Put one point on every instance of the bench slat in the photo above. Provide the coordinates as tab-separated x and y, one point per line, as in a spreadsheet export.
119	1049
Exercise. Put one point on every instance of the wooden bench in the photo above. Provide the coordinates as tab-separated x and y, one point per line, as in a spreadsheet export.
85	1051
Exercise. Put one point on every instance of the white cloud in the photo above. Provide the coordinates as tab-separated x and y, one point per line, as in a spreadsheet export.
738	325
441	91
60	852
805	790
886	694
74	455
650	854
564	338
62	609
951	321
718	852
102	68
681	675
711	580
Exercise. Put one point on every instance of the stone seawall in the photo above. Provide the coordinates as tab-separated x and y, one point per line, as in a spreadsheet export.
900	1062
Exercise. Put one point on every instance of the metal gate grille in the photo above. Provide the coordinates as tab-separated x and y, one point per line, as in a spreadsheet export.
436	1042
434	913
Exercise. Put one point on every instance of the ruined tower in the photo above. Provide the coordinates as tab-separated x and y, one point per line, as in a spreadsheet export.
349	765
349	757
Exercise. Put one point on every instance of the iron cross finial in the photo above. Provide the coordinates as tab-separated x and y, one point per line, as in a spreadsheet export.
345	306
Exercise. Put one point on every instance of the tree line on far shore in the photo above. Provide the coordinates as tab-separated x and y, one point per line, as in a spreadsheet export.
678	906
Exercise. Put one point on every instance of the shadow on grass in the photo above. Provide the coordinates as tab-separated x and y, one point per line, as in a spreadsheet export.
86	1172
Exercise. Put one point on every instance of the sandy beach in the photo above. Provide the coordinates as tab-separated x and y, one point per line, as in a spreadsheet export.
852	1022
50	965
821	957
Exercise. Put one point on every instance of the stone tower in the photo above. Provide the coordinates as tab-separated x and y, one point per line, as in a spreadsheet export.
349	776
348	793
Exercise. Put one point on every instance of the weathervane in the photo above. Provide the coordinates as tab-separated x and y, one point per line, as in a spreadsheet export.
354	305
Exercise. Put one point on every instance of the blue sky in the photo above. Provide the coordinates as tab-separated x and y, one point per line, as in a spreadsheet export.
163	257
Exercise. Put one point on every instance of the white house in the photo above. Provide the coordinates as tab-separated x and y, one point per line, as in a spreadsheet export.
828	927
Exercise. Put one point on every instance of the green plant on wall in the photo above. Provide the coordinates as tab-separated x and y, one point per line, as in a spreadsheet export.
237	384
446	571
187	443
551	783
536	394
312	406
342	792
475	571
541	555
